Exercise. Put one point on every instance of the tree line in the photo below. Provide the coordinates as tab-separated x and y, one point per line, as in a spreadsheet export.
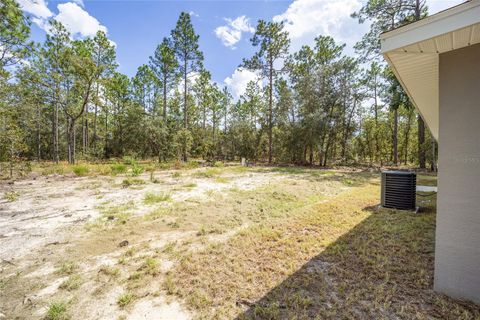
63	99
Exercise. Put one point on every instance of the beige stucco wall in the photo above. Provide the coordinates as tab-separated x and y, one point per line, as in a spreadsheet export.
457	253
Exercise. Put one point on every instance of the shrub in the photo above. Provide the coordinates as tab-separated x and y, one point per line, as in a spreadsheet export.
118	168
192	164
80	170
129	160
136	170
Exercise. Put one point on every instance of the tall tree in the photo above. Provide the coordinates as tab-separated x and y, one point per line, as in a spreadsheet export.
386	15
164	65
14	33
187	51
273	43
104	57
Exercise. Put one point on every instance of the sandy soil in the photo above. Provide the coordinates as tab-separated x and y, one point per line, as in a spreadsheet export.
51	212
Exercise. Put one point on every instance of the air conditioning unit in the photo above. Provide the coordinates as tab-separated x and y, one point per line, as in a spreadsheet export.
398	190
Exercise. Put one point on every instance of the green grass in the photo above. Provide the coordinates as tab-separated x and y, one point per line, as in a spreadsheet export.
72	283
190	185
11	196
67	268
125	299
109	271
218	164
208	173
222	180
152	198
132	182
307	254
136	170
118	168
57	311
80	170
150	266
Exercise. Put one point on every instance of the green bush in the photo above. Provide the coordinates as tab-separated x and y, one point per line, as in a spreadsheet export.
136	170
128	160
118	168
218	164
192	164
80	170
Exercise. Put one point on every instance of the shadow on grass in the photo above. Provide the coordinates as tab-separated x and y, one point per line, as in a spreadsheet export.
381	269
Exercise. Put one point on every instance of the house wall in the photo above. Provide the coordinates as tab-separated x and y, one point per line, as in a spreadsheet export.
457	252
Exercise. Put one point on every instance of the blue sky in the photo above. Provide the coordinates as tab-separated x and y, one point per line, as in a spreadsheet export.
225	27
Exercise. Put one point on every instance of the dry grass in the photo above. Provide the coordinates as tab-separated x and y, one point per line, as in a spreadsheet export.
340	259
309	245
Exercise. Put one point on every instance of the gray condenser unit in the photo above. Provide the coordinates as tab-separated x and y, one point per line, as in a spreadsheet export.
398	190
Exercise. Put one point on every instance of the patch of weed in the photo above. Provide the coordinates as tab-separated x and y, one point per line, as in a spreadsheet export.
72	283
132	182
150	266
11	196
221	180
208	173
80	170
109	271
118	168
218	164
67	268
136	170
125	299
151	198
57	311
190	185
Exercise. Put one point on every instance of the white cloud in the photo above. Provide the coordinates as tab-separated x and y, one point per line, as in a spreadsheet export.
77	20
37	8
306	19
237	82
231	33
194	14
80	3
435	6
71	14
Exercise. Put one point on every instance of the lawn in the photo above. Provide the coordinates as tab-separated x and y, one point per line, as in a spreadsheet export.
219	243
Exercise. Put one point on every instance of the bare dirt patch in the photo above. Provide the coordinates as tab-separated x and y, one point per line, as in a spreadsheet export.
65	222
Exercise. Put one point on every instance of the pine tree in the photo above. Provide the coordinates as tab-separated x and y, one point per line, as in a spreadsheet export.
273	43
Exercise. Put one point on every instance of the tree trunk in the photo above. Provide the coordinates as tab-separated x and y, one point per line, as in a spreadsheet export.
377	146
347	131
433	165
95	124
407	136
39	152
105	151
395	136
421	143
270	112
164	97
185	108
56	157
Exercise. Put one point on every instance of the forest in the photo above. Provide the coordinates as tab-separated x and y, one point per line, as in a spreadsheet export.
64	100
